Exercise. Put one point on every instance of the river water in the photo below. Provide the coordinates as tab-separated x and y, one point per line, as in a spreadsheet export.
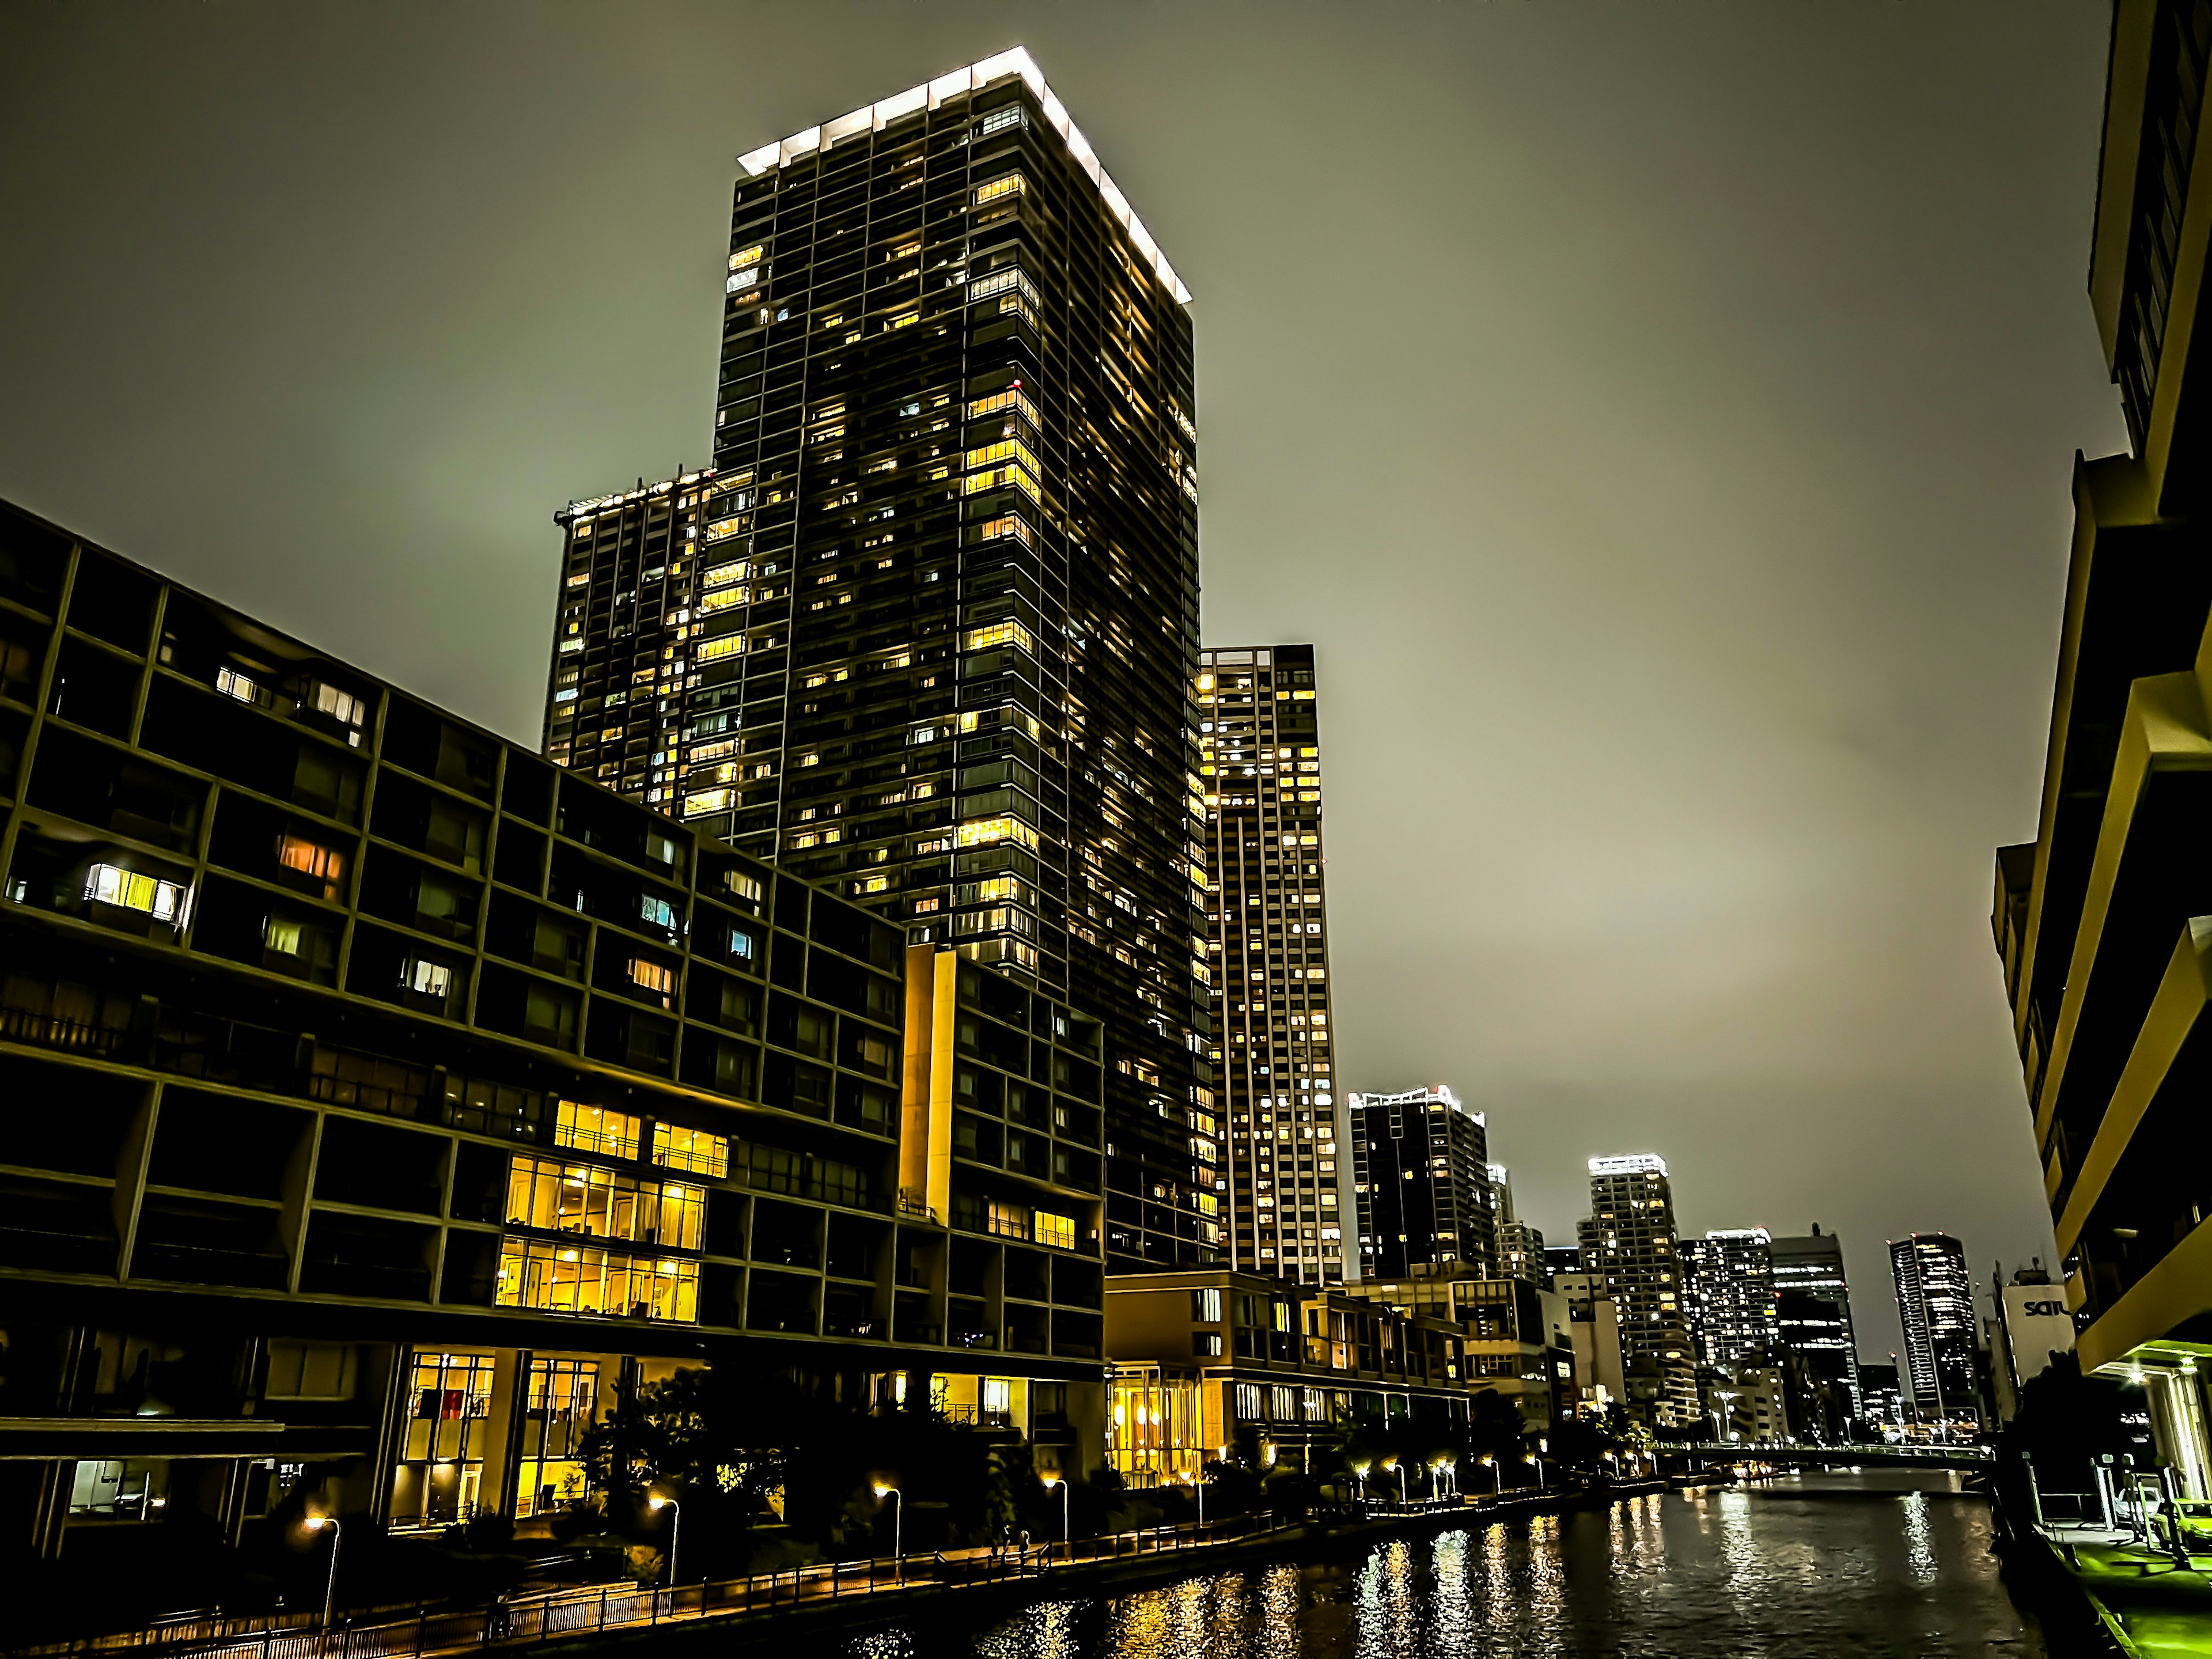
1867	1566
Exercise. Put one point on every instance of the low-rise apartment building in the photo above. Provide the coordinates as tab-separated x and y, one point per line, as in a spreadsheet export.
1518	1339
1204	1358
386	1103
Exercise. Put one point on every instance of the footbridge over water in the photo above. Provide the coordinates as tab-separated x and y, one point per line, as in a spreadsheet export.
1808	1456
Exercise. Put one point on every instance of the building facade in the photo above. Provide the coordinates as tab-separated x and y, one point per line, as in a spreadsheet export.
938	644
1215	1364
1420	1170
2029	1328
1729	1280
388	1101
1629	1244
1285	1170
2098	920
1813	1314
1520	1339
1936	1305
1520	1246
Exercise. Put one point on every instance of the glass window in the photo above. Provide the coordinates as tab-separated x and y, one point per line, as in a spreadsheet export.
596	1129
110	883
675	1148
1058	1230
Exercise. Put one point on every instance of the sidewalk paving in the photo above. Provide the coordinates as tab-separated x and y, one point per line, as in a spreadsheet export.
2162	1610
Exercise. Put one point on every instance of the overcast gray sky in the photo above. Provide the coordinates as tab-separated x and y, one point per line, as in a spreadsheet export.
1659	415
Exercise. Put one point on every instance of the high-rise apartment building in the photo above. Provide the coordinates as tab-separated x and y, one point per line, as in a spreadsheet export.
383	1100
1813	1312
1421	1181
1629	1241
1520	1246
1936	1305
1729	1280
938	643
2098	920
1289	1182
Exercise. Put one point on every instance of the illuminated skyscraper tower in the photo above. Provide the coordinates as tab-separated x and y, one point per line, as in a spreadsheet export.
937	643
1288	1168
1935	1304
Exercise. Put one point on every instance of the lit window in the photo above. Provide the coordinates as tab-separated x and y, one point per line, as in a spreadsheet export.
164	901
1005	633
714	650
653	977
747	256
979	832
282	937
309	858
709	800
1011	184
675	1147
232	684
999	119
595	1129
425	978
1008	526
1056	1229
658	911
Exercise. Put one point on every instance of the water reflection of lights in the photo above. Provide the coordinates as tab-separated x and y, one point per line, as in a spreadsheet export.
1919	1540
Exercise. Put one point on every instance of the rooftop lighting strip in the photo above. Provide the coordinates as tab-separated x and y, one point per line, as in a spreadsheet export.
874	118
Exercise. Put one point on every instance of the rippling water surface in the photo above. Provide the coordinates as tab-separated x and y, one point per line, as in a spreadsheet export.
1866	1566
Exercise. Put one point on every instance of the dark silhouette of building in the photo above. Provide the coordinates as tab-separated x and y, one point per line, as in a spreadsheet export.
1812	1306
1421	1177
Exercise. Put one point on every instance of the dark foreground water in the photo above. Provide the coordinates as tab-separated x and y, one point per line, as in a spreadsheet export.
1866	1566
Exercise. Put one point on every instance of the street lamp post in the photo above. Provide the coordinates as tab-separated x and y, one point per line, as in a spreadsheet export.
657	1503
1727	1404
898	1521
1360	1473
1497	1474
317	1523
1393	1463
1066	1536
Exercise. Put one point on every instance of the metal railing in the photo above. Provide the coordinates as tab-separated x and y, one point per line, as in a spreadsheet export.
556	1614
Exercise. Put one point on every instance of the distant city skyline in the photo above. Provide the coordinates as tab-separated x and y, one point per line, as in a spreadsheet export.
1849	305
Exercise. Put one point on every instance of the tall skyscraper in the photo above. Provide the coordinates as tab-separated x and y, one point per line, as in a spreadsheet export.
938	645
1421	1178
1729	1277
1520	1246
1628	1240
1290	1188
1812	1312
1935	1304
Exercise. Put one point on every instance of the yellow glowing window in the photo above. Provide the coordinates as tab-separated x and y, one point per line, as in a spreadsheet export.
723	598
1008	526
707	800
1009	401
721	575
595	1129
162	899
1012	449
1012	185
1059	1230
983	832
903	320
282	937
586	1279
1005	633
652	976
1017	478
747	256
1009	1220
713	650
675	1147
873	885
904	251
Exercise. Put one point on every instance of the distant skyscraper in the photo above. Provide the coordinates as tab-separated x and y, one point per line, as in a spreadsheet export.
1935	1304
1421	1175
936	642
1812	1309
1288	1170
1629	1239
1729	1278
1520	1246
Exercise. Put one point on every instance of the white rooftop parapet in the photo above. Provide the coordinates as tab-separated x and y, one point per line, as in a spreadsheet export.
1639	1164
873	118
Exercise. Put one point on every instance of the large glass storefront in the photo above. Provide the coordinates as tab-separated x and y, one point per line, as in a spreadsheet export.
448	1434
561	1404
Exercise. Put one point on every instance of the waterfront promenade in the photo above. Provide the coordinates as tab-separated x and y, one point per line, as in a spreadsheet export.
830	1596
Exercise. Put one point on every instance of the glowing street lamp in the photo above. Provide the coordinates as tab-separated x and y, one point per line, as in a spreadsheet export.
898	1521
1389	1463
1531	1457
317	1523
1067	1537
657	1503
1360	1473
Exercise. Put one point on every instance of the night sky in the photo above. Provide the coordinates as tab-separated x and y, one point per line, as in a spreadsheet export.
1660	416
